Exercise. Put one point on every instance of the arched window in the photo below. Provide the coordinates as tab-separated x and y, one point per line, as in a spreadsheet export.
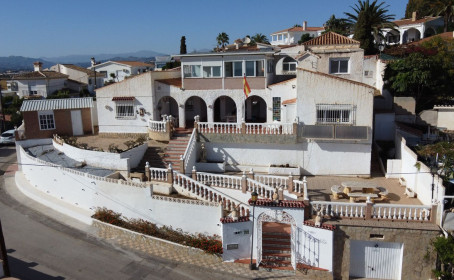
289	64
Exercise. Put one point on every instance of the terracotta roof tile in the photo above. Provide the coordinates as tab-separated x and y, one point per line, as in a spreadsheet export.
176	82
229	220
81	69
289	101
331	38
409	21
300	29
281	203
135	63
40	75
123	98
324	226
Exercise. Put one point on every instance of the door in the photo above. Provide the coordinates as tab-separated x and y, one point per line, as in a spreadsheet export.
375	259
76	121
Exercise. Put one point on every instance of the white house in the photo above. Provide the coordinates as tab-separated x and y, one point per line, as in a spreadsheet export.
118	70
292	35
80	75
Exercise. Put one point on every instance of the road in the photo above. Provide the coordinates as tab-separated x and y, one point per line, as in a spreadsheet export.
40	247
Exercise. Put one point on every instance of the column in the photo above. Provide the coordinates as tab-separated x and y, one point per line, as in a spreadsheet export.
181	116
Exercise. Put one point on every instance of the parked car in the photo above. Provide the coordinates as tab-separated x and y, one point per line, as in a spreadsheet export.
8	137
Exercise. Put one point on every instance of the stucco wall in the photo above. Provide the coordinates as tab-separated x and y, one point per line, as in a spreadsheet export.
317	247
89	192
236	233
446	118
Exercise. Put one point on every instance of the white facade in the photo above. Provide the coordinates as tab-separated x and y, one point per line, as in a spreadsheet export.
291	36
81	75
42	87
412	30
121	69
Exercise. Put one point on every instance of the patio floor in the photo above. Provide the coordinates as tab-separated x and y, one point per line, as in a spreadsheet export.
319	189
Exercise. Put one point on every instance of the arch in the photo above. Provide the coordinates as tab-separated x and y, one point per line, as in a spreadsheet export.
255	109
167	105
429	32
225	109
276	216
411	35
194	106
392	37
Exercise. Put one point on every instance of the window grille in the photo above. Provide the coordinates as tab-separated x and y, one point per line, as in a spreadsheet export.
124	110
335	113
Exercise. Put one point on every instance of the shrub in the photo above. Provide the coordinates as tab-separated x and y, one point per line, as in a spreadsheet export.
140	140
130	144
114	149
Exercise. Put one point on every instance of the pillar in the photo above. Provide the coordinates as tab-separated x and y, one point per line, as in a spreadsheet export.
181	116
147	172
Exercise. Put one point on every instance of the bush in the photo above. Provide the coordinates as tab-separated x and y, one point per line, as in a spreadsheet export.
209	244
114	149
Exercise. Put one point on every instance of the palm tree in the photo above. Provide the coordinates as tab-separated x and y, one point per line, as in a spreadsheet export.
337	25
222	39
259	38
444	8
368	21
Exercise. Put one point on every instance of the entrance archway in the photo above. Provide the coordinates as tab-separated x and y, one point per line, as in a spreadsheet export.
225	110
167	106
411	35
192	107
429	32
255	109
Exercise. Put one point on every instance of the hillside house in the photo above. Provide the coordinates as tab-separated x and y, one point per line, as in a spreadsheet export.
80	75
291	36
117	71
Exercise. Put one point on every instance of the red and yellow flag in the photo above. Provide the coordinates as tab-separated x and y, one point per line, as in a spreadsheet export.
246	87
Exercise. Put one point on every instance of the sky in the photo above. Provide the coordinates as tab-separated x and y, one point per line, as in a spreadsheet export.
49	28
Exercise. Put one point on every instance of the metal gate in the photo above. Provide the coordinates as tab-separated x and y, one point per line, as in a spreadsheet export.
375	259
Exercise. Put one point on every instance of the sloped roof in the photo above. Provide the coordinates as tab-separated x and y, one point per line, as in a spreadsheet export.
81	69
409	21
330	38
38	75
445	36
300	29
176	82
289	101
56	104
135	63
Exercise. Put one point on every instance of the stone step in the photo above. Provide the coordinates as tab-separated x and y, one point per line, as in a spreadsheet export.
274	242
283	250
277	256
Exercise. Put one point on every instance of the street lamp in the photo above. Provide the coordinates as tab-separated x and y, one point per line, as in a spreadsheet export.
254	197
93	63
433	171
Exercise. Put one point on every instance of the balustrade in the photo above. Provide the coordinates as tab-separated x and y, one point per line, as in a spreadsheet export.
401	212
159	126
158	174
217	180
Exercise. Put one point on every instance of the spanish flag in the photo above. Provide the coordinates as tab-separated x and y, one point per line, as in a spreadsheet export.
246	87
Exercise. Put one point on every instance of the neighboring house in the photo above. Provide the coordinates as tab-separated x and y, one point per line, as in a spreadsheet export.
81	75
291	36
39	83
161	61
441	116
121	69
67	117
412	29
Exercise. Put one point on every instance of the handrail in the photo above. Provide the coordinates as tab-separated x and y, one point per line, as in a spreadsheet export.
340	209
219	127
158	174
189	149
219	180
272	180
401	212
269	128
261	189
159	126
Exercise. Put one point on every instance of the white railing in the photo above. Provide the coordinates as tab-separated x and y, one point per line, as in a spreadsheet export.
185	184
188	153
269	128
261	189
401	212
340	209
158	126
273	181
217	180
217	127
301	187
158	174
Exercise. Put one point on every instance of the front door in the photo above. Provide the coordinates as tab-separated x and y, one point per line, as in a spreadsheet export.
76	121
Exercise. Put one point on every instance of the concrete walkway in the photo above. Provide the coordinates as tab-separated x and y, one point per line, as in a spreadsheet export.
237	270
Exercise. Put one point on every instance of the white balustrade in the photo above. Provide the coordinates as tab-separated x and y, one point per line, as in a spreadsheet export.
158	126
298	186
158	174
270	180
340	209
218	127
186	184
261	189
401	212
218	180
189	150
269	128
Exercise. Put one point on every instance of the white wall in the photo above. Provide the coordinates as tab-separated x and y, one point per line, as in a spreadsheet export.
317	246
133	200
384	128
236	233
446	118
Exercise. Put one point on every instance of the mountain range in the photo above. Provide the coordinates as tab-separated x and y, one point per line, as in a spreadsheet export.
18	63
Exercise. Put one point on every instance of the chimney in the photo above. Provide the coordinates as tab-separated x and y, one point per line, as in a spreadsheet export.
38	66
414	16
304	25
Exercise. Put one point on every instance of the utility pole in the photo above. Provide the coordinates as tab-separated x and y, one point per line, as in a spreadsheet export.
3	254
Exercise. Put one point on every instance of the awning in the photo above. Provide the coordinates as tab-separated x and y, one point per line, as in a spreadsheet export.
123	98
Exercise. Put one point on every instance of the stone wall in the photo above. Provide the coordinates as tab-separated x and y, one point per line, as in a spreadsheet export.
416	239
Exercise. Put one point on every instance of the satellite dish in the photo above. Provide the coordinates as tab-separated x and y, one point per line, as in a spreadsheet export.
246	40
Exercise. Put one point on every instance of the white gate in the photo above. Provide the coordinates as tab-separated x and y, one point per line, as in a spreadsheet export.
375	259
76	121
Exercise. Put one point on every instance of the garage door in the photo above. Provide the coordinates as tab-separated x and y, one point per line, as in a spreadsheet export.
380	260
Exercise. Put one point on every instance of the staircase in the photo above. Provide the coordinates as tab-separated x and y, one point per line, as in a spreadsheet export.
176	148
154	156
276	249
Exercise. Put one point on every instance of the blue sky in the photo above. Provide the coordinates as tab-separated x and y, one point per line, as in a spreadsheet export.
47	28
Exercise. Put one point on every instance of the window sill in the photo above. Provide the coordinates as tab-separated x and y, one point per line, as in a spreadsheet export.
126	118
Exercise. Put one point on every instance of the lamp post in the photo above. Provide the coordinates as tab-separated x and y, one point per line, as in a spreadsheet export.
254	197
93	63
433	171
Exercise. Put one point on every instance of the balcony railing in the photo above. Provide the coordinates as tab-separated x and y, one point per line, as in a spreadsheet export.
340	132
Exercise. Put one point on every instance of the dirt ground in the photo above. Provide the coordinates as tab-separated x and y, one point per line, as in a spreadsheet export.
104	142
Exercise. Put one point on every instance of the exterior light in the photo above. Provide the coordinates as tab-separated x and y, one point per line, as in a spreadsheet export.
254	196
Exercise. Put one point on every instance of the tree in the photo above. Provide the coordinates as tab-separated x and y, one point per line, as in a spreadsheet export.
222	39
444	8
444	247
183	45
368	21
258	38
297	25
445	153
421	7
337	25
304	38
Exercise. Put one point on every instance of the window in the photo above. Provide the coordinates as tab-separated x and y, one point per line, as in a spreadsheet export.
46	120
250	68
270	66
211	71
124	109
274	38
338	66
33	92
228	69
260	68
289	64
277	109
279	37
238	69
334	113
192	71
253	68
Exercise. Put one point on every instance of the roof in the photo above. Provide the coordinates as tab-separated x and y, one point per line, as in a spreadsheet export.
176	82
283	82
231	52
123	98
56	104
330	38
445	36
280	203
135	63
406	128
81	69
229	220
289	101
300	29
38	75
409	21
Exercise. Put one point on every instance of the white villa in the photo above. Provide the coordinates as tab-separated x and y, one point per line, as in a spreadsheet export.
80	75
121	69
291	36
